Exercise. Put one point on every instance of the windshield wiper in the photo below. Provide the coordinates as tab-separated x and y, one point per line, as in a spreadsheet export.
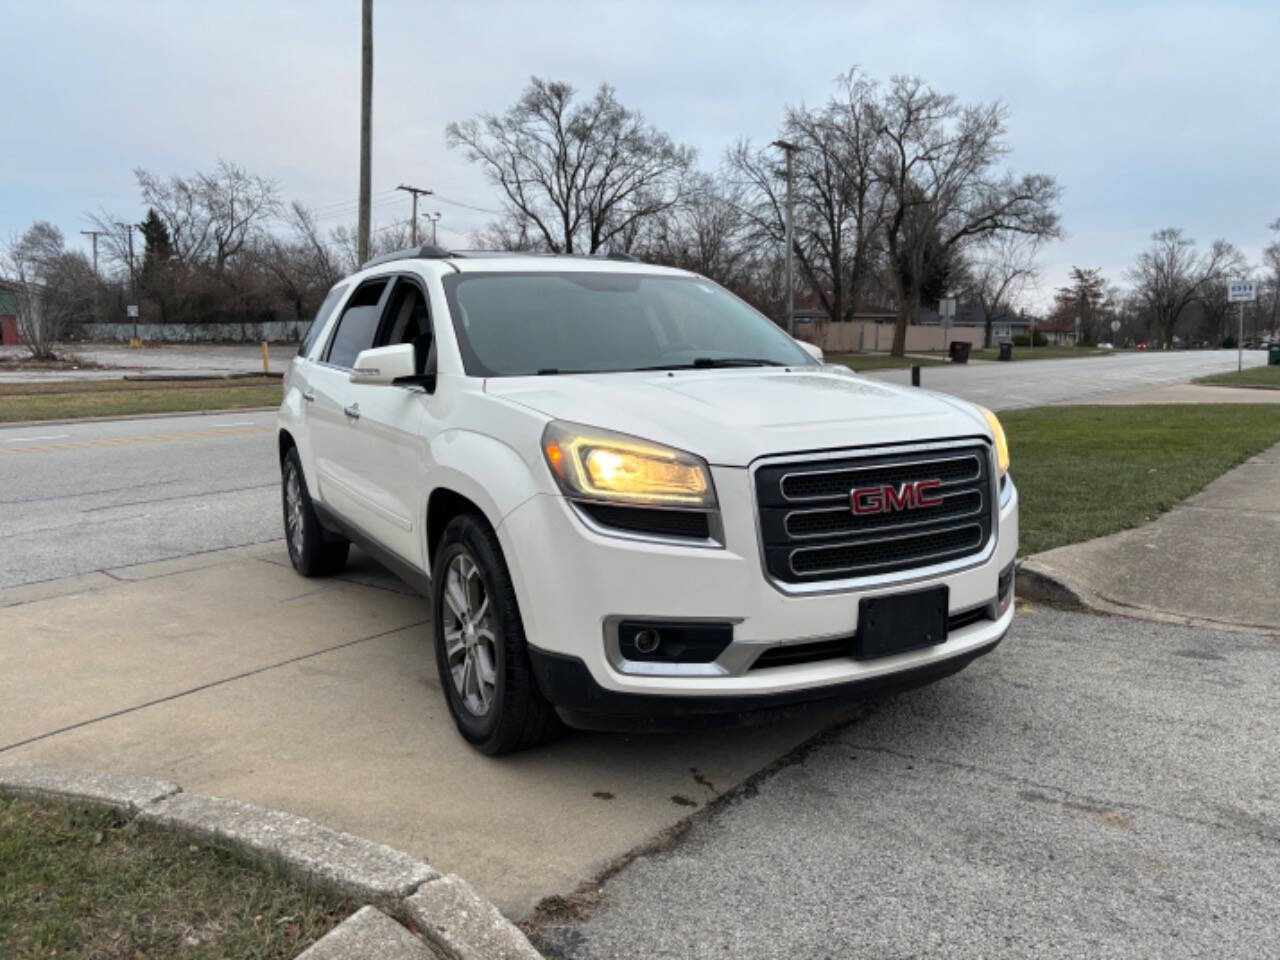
708	362
734	362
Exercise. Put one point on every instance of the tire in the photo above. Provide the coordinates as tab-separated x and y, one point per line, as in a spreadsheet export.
485	671
313	550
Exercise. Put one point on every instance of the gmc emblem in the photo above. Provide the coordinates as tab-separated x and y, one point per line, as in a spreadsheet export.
888	498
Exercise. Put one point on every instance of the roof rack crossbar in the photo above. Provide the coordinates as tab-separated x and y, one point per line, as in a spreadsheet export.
428	251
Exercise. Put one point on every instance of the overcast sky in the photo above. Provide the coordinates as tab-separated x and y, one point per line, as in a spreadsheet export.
1150	116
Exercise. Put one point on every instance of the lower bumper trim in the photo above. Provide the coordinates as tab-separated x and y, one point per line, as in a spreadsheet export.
584	704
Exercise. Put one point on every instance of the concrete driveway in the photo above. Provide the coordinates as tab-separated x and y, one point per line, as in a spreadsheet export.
232	675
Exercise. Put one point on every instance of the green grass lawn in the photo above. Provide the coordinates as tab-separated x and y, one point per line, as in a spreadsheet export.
86	883
1083	472
858	362
115	398
1042	353
1266	378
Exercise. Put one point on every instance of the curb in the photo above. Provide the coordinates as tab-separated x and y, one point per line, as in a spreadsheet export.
1039	582
137	416
440	914
1034	582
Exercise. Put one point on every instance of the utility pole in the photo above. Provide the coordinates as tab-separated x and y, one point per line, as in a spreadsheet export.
366	126
94	235
434	218
789	149
415	192
128	228
133	284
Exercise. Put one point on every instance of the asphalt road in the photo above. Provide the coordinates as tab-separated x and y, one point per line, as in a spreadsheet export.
1033	383
75	498
1096	787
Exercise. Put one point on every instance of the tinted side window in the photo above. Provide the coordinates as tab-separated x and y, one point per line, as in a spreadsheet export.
357	326
407	318
321	318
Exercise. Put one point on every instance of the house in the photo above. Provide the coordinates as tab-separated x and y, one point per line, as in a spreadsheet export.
971	315
1059	333
8	317
808	308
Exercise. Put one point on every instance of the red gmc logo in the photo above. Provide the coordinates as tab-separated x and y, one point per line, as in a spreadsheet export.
887	498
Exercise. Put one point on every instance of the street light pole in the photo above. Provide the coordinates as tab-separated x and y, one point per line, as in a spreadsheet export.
366	126
435	218
789	149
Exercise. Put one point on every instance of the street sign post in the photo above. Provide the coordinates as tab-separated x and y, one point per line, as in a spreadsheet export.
946	310
1241	292
131	311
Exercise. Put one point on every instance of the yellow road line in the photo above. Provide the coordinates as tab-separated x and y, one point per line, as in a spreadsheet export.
140	438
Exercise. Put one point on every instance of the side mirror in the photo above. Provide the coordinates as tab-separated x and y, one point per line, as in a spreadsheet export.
812	349
384	365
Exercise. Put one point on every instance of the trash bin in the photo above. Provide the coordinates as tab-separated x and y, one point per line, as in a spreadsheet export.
1006	349
959	351
1273	354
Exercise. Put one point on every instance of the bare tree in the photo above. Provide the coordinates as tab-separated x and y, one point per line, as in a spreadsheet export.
1270	306
210	216
939	160
578	176
1170	275
706	233
1082	302
1001	270
54	287
837	197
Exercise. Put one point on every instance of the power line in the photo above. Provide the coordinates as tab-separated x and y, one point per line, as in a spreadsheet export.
459	203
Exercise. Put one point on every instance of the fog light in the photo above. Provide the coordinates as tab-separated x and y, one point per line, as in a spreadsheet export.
673	641
647	641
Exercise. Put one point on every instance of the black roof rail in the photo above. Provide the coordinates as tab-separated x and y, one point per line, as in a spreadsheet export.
428	251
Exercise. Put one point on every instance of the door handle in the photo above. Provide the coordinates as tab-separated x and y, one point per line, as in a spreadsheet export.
352	411
308	396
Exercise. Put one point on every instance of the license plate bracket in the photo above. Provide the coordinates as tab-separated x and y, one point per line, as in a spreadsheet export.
900	622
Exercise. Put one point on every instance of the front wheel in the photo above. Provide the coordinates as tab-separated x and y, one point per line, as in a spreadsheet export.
313	551
480	645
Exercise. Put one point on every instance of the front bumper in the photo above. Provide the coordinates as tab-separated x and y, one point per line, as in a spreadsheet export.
573	582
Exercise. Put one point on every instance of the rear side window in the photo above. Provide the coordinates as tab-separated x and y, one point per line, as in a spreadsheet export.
321	318
358	324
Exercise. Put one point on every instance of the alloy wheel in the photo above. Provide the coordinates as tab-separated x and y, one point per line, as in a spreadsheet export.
469	637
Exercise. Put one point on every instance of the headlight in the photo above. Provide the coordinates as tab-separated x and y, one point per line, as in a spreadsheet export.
1002	444
602	465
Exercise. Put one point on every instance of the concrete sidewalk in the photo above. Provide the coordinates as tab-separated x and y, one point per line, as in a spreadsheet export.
230	674
1211	561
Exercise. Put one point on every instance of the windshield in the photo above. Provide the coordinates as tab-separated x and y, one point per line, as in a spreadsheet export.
516	324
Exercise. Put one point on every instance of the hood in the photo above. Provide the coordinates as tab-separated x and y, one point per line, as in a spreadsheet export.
733	416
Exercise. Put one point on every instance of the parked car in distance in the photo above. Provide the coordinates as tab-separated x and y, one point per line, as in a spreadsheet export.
1106	345
634	501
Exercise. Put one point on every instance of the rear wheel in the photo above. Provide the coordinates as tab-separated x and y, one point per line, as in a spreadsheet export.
313	551
481	654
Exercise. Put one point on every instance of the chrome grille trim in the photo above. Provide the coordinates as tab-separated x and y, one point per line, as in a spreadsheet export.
982	504
769	508
865	541
782	483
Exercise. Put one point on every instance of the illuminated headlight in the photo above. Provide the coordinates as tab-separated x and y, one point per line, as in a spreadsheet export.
1002	444
602	465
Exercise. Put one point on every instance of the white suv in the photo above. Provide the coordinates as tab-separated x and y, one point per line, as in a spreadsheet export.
634	501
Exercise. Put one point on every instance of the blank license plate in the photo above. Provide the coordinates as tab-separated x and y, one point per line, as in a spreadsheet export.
901	622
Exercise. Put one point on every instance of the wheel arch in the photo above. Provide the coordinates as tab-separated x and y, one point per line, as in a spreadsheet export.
285	443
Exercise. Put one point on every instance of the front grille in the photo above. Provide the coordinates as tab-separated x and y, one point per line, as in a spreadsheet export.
810	532
818	650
